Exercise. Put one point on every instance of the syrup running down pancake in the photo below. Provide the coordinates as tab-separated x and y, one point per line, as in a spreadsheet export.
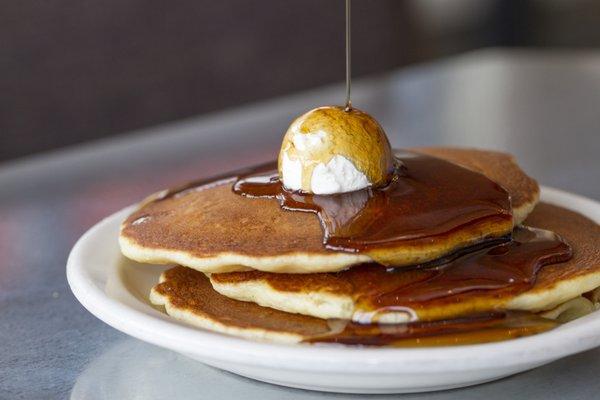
207	227
508	275
499	167
429	198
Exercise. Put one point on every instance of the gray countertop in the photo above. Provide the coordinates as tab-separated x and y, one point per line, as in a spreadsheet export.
544	107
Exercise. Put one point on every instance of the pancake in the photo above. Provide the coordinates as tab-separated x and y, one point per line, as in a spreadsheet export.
333	295
214	230
188	296
499	167
572	309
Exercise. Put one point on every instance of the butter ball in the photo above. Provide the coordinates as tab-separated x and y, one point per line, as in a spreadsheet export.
332	150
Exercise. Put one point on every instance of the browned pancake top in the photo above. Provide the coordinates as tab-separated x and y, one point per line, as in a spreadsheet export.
499	167
580	232
190	290
209	222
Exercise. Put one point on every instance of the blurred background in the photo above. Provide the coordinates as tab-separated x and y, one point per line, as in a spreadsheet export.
77	70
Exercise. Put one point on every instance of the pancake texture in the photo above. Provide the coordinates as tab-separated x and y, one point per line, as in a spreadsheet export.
499	167
213	230
331	295
188	296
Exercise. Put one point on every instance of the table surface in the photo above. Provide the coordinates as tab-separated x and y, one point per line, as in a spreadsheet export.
544	107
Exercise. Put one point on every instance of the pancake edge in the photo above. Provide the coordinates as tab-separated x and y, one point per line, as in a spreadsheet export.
564	312
232	262
203	321
521	213
298	262
343	306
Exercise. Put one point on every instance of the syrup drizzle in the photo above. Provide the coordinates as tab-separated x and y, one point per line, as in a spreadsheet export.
348	106
427	198
504	268
472	280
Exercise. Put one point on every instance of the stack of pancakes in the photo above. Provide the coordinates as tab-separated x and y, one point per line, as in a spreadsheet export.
246	267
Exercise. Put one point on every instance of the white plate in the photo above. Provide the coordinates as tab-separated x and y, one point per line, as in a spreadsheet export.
115	290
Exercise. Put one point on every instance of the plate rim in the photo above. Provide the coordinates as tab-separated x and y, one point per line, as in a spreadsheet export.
207	345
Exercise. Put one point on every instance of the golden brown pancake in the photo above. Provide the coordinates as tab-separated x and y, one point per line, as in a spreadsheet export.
188	296
214	230
336	295
499	167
